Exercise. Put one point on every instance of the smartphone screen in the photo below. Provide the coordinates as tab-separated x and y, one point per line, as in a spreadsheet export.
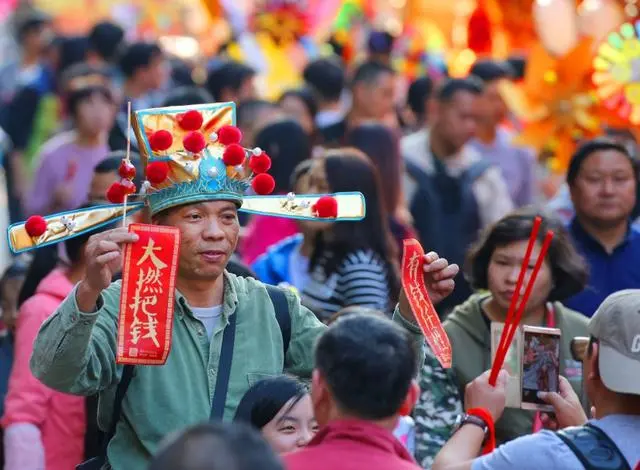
540	365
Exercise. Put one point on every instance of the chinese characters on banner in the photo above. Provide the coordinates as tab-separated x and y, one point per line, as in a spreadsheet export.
423	309
147	297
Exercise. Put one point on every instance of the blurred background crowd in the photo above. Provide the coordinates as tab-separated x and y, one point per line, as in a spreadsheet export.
458	121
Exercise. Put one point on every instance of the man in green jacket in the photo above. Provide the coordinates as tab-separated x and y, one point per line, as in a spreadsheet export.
76	349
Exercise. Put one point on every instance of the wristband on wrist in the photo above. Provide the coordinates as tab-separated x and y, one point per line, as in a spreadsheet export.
490	441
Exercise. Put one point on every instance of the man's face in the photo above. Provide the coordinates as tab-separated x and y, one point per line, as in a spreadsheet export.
156	75
38	38
604	192
375	100
209	235
457	119
491	107
100	184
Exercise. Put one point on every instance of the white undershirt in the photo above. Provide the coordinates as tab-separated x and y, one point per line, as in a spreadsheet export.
209	316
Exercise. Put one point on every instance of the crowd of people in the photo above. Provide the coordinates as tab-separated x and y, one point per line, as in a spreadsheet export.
342	378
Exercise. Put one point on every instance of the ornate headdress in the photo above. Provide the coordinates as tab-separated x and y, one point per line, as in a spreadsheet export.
189	154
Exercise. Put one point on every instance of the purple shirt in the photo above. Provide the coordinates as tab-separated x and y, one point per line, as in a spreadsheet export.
62	162
518	165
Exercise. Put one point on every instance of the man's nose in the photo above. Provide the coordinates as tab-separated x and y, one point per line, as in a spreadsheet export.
213	229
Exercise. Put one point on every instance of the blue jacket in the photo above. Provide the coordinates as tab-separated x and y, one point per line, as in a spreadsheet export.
273	266
6	359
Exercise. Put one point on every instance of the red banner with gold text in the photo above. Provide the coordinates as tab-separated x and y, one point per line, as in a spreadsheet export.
418	297
147	296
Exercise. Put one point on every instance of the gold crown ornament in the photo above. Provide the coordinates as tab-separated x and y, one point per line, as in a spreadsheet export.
189	154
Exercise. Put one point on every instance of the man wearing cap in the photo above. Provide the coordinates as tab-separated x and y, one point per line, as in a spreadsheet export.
612	381
196	181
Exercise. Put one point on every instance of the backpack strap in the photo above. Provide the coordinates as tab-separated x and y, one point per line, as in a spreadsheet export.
594	449
281	308
476	170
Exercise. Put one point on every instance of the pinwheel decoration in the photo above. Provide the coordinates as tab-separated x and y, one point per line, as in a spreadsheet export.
556	102
617	72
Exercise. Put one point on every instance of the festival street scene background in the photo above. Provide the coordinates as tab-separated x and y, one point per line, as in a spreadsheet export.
304	234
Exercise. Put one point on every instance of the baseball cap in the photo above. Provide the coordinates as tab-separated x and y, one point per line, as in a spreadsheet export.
616	325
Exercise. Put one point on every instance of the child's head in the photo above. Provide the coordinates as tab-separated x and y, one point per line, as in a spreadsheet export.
10	285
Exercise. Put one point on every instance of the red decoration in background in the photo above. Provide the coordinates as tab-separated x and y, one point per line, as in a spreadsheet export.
160	140
228	135
260	163
35	226
190	121
263	184
326	207
147	295
127	170
479	30
421	305
194	142
234	155
116	193
157	172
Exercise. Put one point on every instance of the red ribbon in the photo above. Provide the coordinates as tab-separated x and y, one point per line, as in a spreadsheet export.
421	305
490	441
147	295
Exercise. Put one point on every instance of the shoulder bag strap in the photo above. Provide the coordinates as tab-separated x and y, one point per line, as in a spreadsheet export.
224	370
594	449
281	307
123	385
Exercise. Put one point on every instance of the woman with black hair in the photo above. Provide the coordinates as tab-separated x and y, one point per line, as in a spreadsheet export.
281	409
352	263
67	160
300	106
493	266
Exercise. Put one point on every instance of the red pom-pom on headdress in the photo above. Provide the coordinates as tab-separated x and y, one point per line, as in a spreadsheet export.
157	172
116	193
127	170
228	135
194	142
128	186
190	121
260	163
263	184
234	155
35	226
160	140
325	207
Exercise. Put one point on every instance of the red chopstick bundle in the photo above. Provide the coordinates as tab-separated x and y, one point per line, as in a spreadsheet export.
515	316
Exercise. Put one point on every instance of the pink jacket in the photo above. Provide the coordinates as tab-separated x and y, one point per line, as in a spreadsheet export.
262	232
59	417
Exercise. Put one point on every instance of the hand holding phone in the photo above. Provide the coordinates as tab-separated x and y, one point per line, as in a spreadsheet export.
540	366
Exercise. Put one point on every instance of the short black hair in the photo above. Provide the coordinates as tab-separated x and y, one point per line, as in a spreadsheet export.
187	96
305	96
75	96
287	144
247	110
264	400
75	246
217	446
368	72
229	74
419	92
452	86
368	363
31	20
490	70
326	78
568	269
591	146
380	42
73	50
138	55
105	39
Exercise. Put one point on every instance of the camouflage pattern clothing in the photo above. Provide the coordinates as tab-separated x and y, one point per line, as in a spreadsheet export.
437	409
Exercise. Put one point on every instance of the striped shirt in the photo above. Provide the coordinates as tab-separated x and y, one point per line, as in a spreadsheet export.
361	279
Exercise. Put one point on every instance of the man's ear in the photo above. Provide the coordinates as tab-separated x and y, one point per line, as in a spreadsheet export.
410	400
433	110
594	367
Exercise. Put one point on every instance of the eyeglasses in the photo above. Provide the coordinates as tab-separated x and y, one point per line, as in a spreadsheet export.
579	346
